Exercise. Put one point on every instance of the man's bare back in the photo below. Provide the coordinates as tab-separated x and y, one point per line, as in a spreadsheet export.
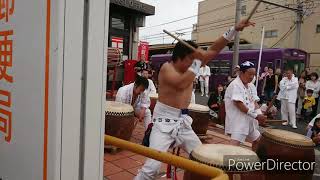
170	94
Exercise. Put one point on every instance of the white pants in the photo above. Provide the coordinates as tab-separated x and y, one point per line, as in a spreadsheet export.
299	108
147	116
164	134
205	86
253	133
288	111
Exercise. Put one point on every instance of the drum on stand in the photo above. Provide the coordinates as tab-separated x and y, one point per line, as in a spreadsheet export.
278	146
153	101
200	115
119	120
230	159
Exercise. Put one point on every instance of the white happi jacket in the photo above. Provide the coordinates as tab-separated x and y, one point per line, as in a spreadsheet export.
152	88
125	94
288	89
204	71
236	120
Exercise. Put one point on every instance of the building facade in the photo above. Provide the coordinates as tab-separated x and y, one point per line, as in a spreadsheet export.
216	16
126	16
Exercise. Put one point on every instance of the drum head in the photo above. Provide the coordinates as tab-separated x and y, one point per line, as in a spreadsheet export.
198	108
218	155
113	107
154	96
288	137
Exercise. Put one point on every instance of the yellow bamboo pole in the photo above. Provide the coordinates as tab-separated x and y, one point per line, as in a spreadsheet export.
168	158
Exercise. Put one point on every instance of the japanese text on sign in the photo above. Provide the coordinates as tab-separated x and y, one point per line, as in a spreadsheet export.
6	73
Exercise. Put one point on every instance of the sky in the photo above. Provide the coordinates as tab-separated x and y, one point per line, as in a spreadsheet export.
166	11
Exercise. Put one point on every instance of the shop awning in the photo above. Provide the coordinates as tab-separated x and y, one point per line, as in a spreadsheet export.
139	7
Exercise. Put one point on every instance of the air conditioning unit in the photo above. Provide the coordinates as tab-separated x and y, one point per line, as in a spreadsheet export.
140	21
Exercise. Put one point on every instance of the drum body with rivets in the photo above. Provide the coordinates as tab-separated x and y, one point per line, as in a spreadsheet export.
278	146
119	120
200	115
230	159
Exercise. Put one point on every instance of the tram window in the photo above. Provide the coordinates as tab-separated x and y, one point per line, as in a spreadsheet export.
214	66
225	67
270	65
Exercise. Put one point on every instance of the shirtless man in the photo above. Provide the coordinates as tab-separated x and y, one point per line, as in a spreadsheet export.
172	125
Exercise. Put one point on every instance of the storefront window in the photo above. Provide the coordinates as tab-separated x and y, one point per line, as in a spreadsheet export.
117	23
120	22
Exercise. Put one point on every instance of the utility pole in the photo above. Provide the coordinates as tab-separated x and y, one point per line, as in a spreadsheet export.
299	11
237	36
299	22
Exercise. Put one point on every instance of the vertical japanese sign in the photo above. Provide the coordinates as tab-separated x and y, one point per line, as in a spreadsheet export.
143	51
6	70
24	64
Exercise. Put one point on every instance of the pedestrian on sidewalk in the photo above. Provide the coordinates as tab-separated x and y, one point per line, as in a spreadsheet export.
301	92
268	87
308	105
204	76
241	102
288	96
216	100
314	84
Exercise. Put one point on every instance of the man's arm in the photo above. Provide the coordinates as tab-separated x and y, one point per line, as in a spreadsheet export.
276	83
141	114
282	86
144	100
264	85
241	106
120	96
261	118
208	71
293	85
221	42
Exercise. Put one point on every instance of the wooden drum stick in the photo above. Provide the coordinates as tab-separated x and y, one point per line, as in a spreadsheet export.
254	10
275	121
181	41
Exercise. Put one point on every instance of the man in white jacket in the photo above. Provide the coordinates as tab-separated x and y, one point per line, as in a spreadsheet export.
204	75
288	95
242	111
134	94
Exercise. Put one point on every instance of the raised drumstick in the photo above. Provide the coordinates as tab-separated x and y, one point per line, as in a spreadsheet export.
191	47
275	121
254	10
181	41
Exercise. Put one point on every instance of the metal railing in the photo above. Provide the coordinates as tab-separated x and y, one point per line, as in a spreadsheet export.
189	165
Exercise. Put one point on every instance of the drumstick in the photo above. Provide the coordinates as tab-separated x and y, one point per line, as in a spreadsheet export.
181	41
275	121
254	10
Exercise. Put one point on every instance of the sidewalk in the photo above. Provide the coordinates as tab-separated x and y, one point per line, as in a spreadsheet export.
124	165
